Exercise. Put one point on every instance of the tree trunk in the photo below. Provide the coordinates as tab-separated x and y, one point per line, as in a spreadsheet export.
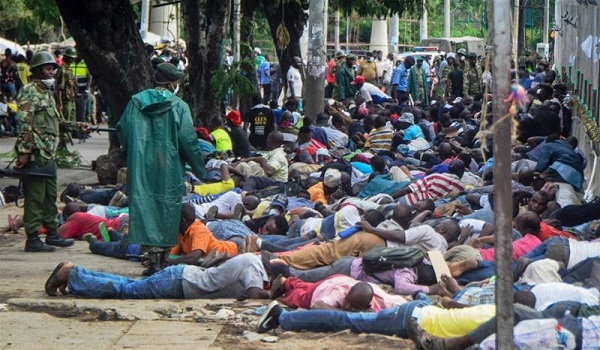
206	24
112	48
294	19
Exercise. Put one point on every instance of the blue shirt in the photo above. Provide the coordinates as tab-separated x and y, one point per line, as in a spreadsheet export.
265	72
400	78
413	132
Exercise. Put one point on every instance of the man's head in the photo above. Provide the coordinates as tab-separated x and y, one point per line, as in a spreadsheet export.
332	178
445	150
450	58
188	216
304	135
43	65
524	297
359	81
472	57
168	76
297	62
274	140
276	225
528	222
279	204
359	297
525	176
457	167
425	204
286	119
350	58
379	122
69	56
69	209
214	123
449	229
419	60
378	164
402	215
250	202
538	202
373	217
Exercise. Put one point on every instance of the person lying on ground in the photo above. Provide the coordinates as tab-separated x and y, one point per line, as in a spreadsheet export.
334	293
78	223
241	277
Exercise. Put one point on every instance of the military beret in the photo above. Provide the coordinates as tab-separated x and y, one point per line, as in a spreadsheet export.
168	72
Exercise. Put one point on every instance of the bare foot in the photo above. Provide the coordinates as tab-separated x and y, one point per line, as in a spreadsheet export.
450	284
443	291
458	268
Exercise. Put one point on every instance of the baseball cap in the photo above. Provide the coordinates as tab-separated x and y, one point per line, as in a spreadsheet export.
281	201
358	80
333	178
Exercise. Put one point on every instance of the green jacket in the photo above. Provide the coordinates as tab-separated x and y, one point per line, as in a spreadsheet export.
472	81
343	88
157	131
38	121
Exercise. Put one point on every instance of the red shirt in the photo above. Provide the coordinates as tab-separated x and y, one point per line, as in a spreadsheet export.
78	224
547	232
330	78
521	247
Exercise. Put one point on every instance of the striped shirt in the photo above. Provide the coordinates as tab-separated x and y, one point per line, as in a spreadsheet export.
380	139
434	186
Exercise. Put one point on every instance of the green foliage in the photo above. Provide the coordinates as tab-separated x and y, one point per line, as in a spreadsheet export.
227	80
12	12
67	159
40	23
379	8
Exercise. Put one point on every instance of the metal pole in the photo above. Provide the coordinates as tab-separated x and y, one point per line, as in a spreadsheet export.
348	34
316	60
501	52
424	28
145	15
336	31
393	33
546	21
447	15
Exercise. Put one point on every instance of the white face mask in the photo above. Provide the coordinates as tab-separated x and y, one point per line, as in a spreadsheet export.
48	82
370	59
176	89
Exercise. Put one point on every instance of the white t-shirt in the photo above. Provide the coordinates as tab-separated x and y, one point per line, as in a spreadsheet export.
547	294
580	251
295	80
388	70
423	237
368	90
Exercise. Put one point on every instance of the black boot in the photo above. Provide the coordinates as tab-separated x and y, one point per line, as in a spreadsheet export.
153	263
53	238
35	244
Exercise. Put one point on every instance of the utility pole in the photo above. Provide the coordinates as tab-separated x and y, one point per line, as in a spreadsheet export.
316	60
237	4
393	32
546	21
502	140
145	16
336	31
424	27
447	19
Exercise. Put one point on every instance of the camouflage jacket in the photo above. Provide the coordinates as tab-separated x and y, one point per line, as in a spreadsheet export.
472	82
65	82
38	121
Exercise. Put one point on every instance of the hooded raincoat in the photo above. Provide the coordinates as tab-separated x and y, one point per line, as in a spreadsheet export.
157	131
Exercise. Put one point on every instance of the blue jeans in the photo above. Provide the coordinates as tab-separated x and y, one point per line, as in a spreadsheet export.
9	89
99	196
278	243
165	284
118	247
539	252
486	269
390	321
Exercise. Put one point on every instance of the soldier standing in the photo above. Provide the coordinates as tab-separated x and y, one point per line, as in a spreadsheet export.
38	126
65	85
473	83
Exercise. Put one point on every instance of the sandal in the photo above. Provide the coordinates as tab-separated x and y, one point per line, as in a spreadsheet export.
53	283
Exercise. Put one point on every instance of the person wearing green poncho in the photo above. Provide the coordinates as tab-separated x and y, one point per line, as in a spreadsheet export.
157	131
417	82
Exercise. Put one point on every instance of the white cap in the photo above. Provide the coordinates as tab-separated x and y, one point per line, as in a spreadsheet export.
257	50
450	55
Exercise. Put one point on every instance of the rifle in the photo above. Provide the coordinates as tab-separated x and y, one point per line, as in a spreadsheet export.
99	130
31	169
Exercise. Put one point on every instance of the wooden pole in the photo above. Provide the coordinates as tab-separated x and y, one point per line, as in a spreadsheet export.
501	56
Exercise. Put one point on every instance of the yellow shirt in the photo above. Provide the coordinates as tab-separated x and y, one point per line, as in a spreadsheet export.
222	140
214	187
448	323
23	70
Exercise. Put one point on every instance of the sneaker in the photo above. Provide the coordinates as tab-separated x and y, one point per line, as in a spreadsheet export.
215	258
35	245
88	237
277	287
117	199
270	318
103	232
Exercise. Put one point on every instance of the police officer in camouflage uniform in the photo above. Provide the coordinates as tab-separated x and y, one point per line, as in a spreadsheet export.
38	126
65	85
473	81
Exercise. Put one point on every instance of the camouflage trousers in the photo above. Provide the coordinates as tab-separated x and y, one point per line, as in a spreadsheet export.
40	203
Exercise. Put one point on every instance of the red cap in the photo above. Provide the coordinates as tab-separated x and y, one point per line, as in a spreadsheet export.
358	80
234	117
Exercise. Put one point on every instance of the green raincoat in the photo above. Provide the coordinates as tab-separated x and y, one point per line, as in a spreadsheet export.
157	131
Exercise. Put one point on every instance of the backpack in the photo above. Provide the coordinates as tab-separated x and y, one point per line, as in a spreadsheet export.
384	258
